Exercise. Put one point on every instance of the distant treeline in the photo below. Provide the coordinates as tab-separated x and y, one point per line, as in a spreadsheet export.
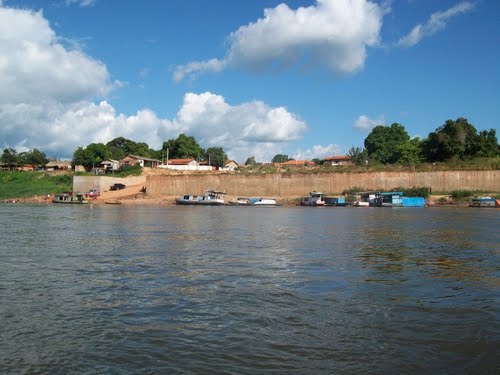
453	141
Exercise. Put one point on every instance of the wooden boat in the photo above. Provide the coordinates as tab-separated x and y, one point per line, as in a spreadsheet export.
69	198
484	202
210	198
318	199
243	201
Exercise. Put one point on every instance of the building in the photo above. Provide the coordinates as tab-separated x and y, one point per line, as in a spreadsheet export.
110	165
141	160
59	165
230	165
337	160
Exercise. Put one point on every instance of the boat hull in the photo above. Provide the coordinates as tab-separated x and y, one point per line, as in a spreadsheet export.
208	202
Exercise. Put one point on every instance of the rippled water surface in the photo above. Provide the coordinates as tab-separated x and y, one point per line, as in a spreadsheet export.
118	289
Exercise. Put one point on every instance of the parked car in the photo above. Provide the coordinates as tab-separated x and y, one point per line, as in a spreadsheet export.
92	193
117	187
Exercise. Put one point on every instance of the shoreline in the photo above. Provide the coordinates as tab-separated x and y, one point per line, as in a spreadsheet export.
144	200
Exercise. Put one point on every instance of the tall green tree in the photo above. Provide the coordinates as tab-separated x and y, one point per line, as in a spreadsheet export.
382	142
121	147
216	156
409	153
91	156
183	147
453	140
488	144
280	158
358	155
34	157
251	161
10	158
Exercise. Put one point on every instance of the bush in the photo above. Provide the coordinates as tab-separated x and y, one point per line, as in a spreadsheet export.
415	191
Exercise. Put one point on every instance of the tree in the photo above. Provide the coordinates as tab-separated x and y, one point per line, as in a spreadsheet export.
382	142
91	156
318	161
121	147
183	147
453	140
409	153
358	155
216	156
488	144
9	158
280	158
34	157
251	161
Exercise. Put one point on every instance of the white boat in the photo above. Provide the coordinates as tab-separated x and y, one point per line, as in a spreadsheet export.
210	198
315	198
69	198
243	201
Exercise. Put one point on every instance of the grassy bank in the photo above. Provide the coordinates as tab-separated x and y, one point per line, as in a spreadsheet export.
29	184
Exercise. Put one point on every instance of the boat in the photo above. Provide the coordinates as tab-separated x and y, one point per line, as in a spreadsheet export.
210	198
112	202
488	202
69	198
317	198
243	201
387	199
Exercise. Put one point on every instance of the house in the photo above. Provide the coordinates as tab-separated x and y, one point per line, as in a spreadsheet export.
188	161
230	165
25	168
59	165
337	160
141	160
110	165
189	164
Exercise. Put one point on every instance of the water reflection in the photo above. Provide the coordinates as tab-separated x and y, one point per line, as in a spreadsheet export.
227	290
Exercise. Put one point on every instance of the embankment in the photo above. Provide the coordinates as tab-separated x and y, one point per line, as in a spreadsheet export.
294	185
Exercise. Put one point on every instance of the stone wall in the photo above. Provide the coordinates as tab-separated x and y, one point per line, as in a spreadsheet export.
293	185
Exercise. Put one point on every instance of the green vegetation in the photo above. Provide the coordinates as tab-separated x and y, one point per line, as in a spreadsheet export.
23	184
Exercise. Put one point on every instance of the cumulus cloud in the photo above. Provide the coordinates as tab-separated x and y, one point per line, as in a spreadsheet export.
364	123
330	33
58	129
47	93
436	22
35	67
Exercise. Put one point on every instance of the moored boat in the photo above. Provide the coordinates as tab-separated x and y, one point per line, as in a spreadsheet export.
243	201
485	202
210	198
317	198
69	198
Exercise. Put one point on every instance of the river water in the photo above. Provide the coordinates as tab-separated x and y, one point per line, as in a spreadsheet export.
239	290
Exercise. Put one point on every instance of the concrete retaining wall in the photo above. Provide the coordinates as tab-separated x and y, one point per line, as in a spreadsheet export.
301	184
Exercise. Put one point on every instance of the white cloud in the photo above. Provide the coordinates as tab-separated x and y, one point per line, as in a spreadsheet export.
364	123
331	33
35	67
196	67
82	3
436	22
47	93
319	152
58	129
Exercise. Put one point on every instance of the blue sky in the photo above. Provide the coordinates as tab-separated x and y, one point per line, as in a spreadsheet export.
303	78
